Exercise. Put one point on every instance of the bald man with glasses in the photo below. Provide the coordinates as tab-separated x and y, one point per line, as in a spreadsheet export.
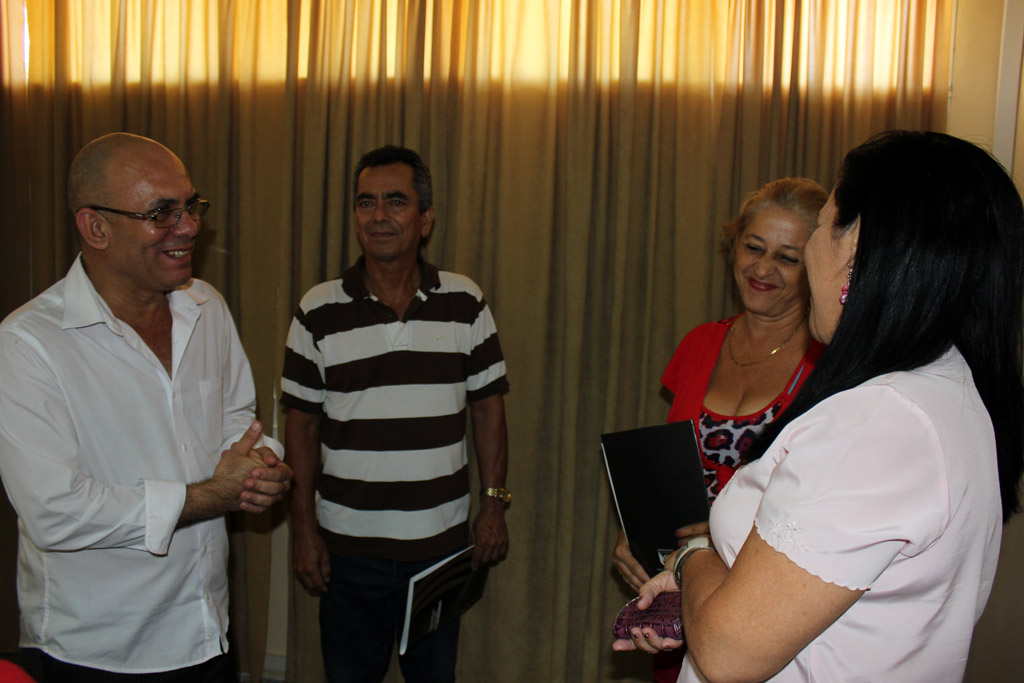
127	432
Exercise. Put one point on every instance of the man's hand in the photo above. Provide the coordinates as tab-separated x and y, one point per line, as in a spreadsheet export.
245	479
489	533
311	561
632	572
265	484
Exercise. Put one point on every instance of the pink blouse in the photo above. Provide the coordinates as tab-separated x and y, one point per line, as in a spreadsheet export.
892	488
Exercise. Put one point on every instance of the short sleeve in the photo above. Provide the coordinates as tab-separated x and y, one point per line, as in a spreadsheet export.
485	368
302	377
670	378
860	479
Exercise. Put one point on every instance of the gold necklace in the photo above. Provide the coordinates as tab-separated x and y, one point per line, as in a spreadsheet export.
770	353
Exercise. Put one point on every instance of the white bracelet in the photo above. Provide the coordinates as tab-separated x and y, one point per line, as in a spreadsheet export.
689	548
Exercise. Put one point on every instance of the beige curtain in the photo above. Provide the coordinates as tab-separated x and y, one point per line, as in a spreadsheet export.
584	155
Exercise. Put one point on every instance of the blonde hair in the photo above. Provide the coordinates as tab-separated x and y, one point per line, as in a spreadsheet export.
801	196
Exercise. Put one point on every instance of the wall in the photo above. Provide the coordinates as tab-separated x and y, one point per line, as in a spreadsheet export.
985	108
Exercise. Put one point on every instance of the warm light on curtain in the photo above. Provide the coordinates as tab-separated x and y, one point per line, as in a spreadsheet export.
175	39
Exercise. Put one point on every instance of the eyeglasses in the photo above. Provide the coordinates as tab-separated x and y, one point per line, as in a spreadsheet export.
166	217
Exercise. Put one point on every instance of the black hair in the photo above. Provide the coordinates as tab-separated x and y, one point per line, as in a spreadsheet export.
939	262
393	154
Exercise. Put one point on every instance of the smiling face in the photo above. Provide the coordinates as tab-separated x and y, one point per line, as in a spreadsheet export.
138	258
829	258
768	263
388	220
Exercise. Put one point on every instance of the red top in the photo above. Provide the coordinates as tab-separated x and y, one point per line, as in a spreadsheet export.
689	373
12	673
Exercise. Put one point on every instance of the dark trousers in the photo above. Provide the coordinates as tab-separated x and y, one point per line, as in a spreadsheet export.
46	669
361	617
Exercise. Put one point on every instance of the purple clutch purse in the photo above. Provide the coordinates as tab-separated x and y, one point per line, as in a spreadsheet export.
662	616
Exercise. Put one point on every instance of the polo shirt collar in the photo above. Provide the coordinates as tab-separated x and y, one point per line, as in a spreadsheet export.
353	281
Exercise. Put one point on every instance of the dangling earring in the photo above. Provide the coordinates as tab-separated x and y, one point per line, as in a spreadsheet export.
845	291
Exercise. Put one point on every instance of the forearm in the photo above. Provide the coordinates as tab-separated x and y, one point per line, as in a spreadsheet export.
749	621
302	449
208	499
310	559
490	438
703	574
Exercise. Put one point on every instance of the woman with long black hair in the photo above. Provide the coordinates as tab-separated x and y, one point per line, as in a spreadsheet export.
860	541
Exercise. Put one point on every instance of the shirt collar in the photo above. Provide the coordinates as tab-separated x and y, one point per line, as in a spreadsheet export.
353	281
83	306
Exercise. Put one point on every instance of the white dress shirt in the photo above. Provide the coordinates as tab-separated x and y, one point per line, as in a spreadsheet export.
97	444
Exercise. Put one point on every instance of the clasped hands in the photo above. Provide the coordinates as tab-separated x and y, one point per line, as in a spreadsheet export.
647	588
260	479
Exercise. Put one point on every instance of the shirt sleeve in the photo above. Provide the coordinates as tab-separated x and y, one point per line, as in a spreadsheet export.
689	370
302	378
860	479
486	367
60	506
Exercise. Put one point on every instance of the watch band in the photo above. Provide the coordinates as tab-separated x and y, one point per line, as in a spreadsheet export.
502	494
693	545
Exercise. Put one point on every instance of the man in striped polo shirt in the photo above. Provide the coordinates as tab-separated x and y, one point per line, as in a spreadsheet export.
379	370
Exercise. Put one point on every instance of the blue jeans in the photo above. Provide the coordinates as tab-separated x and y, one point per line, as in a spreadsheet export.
361	618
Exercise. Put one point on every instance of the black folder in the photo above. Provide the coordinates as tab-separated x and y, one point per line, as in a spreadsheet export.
439	594
658	484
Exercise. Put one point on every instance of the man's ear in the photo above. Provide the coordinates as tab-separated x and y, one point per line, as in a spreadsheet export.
428	222
92	228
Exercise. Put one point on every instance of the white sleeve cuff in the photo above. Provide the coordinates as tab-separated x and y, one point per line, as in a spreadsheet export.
164	503
273	444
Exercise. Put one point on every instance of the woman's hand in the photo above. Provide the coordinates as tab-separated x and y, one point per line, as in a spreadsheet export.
627	566
644	638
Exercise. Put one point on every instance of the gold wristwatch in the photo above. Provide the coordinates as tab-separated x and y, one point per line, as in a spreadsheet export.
504	495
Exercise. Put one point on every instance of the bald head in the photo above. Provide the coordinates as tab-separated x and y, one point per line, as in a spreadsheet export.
90	176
